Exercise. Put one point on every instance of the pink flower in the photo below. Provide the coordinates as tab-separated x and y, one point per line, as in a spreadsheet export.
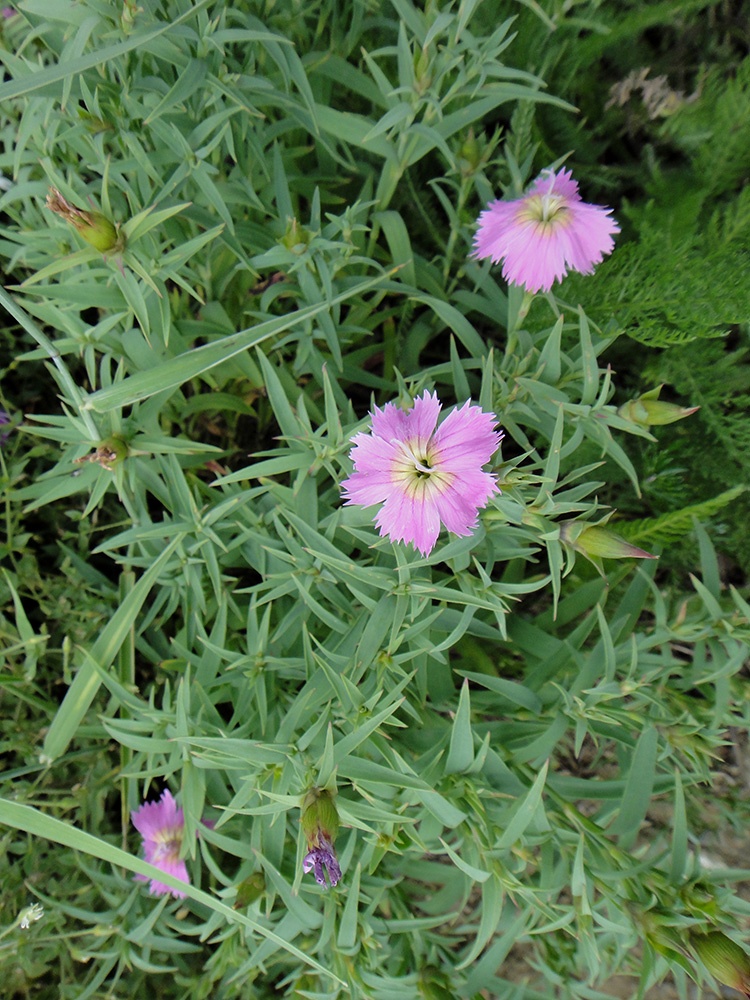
424	475
162	824
544	234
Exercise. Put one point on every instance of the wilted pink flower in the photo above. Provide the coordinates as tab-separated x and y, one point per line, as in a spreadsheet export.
422	474
544	234
162	824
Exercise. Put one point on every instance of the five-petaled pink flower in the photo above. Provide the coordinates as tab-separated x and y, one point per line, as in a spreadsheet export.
544	234
162	824
423	474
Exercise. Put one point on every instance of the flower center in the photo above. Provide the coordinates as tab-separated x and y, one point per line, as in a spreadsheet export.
168	846
420	458
418	468
544	208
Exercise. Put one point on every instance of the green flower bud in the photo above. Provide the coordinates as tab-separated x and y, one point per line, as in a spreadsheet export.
319	816
93	227
422	76
724	959
470	152
320	821
593	540
649	411
296	238
127	18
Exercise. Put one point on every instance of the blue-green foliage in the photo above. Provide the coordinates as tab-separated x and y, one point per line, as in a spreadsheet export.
297	187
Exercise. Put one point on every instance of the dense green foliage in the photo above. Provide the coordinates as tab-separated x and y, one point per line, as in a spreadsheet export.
524	738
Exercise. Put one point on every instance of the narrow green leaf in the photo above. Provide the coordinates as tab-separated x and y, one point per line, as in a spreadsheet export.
348	925
461	751
477	874
188	81
492	908
524	811
679	833
590	365
345	746
511	691
549	367
638	786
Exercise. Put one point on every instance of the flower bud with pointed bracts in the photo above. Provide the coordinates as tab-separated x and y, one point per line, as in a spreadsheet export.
650	411
93	227
598	542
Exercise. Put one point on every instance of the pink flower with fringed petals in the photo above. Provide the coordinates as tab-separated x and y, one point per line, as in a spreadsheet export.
162	824
543	235
424	474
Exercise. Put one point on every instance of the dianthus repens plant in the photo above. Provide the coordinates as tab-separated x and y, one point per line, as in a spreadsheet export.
330	672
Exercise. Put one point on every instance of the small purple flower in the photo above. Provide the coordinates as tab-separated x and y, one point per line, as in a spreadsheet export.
162	825
548	232
320	856
8	12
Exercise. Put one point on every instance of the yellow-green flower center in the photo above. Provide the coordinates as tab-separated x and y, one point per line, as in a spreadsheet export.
168	842
416	469
546	208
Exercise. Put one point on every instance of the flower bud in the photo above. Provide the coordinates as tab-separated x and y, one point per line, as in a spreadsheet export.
93	227
296	238
593	540
724	959
108	454
320	822
128	15
649	411
470	152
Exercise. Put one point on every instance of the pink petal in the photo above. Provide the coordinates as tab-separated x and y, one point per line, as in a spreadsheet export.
422	417
367	488
563	184
410	519
153	817
390	422
466	438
